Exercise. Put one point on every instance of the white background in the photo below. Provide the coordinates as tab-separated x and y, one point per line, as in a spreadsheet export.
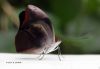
30	61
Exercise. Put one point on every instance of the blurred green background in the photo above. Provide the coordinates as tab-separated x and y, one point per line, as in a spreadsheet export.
76	23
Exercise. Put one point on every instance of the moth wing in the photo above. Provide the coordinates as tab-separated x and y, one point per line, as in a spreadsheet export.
47	29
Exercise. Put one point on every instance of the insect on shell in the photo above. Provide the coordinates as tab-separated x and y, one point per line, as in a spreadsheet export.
36	34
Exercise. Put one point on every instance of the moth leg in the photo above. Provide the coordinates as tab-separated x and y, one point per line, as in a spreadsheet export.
39	55
59	53
43	54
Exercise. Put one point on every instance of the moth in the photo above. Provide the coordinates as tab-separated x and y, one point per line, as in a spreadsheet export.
35	34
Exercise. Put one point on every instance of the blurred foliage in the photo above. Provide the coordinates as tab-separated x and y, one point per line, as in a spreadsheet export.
76	23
